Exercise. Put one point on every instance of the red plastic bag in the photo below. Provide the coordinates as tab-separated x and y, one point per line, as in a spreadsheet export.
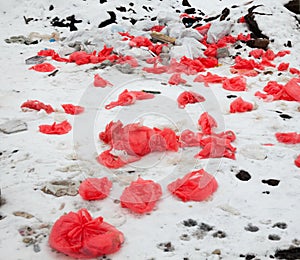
101	82
80	57
288	138
239	105
129	60
292	88
46	52
216	147
283	53
297	161
209	62
176	79
194	186
189	97
269	55
257	53
56	129
283	66
80	236
37	105
209	78
141	196
127	98
72	110
95	188
235	84
294	71
190	139
111	129
140	41
207	123
157	28
43	67
244	72
112	161
164	140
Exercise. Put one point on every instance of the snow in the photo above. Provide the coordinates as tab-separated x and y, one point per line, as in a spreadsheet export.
29	160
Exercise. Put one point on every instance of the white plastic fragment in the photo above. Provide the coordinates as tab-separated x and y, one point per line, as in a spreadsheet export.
217	30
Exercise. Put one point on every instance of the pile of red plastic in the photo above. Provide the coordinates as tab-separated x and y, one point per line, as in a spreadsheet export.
239	105
79	235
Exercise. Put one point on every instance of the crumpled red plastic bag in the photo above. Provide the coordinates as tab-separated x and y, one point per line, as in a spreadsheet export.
56	128
43	67
157	28
101	82
207	123
128	60
283	66
294	71
46	52
194	186
127	98
190	139
37	105
235	84
176	79
140	41
257	53
80	236
288	138
112	161
239	105
141	196
292	88
95	188
244	72
216	147
269	55
209	78
111	129
297	161
72	109
189	97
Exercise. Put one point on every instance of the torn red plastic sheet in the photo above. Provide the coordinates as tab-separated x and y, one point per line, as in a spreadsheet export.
141	196
140	41
207	123
95	188
128	60
194	186
72	109
56	128
176	79
43	67
292	88
239	105
237	83
101	82
297	161
157	28
216	147
112	161
51	53
288	138
209	78
257	53
189	138
244	72
80	236
269	55
127	98
245	64
295	71
283	66
37	105
189	97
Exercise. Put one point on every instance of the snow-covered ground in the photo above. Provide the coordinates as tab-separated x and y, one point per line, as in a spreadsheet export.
30	160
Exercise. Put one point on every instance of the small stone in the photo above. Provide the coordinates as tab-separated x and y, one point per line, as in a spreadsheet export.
243	175
216	252
166	247
219	234
205	227
222	52
13	126
274	237
190	223
271	182
280	225
251	228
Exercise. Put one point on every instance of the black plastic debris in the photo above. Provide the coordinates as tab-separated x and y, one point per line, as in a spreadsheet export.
69	21
109	21
288	254
293	6
271	182
243	175
224	14
186	3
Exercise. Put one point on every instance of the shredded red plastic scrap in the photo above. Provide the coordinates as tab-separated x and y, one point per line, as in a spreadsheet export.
237	83
241	63
37	105
112	161
80	236
101	82
207	123
129	60
189	138
95	188
72	109
292	88
297	161
216	147
176	79
140	41
189	97
294	71
244	72
239	105
127	98
194	186
209	78
288	138
257	53
43	67
141	196
283	66
157	28
56	128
